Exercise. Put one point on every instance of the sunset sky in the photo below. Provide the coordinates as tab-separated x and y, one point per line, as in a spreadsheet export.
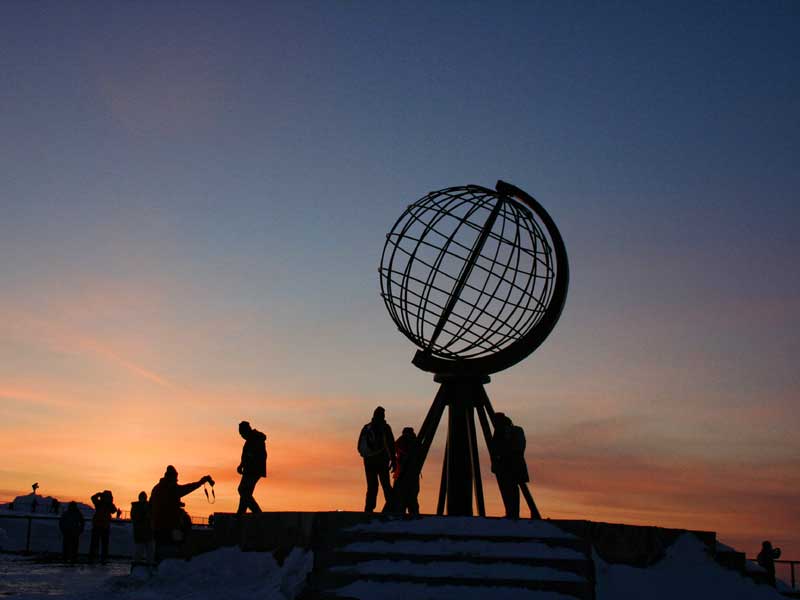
194	198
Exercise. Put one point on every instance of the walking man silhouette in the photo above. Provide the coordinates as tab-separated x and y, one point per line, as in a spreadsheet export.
252	467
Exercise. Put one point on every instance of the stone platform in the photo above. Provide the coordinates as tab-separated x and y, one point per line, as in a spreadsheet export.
484	556
277	531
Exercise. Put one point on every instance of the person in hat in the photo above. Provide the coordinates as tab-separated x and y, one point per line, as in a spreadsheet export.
252	467
376	447
171	524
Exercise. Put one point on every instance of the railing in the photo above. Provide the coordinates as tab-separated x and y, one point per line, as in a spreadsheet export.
46	536
790	569
791	564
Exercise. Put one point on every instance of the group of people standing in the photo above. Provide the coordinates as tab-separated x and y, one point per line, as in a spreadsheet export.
382	455
160	523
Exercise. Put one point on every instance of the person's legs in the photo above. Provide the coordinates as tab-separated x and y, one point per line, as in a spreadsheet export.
104	535
386	483
93	543
509	490
246	500
371	474
74	541
66	546
412	504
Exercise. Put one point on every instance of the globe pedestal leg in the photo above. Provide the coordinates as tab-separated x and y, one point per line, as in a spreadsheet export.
459	457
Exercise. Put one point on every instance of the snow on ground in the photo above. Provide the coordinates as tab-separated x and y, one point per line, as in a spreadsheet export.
466	526
23	577
686	572
225	573
466	570
367	590
444	546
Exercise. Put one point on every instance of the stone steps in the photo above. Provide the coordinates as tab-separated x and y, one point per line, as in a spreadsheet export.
446	557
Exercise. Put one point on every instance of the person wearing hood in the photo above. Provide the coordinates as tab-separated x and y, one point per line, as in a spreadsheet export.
252	467
376	447
171	524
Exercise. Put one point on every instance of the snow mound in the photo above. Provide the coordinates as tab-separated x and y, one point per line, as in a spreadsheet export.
466	526
225	573
687	572
40	505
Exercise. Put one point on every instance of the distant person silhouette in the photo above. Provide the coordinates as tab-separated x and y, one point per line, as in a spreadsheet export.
767	557
252	467
508	462
405	446
104	509
71	524
142	521
171	524
55	506
376	447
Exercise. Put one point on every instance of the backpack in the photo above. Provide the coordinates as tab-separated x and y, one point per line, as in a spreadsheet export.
370	442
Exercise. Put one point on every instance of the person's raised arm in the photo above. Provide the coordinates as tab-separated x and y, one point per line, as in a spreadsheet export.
188	488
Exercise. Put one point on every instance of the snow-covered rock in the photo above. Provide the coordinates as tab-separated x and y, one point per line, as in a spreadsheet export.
686	572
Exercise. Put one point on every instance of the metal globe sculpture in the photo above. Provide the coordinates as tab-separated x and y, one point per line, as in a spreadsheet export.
476	279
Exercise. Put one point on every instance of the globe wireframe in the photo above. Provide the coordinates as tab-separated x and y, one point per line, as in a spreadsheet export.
467	272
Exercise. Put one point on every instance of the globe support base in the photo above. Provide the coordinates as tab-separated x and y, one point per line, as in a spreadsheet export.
464	396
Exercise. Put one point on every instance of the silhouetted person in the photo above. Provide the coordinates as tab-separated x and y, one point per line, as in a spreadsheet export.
376	446
142	521
404	446
767	557
71	524
55	506
508	462
104	509
171	524
252	467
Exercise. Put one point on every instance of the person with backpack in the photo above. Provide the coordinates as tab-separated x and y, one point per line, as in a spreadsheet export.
405	446
376	447
252	467
508	462
142	521
71	524
104	510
